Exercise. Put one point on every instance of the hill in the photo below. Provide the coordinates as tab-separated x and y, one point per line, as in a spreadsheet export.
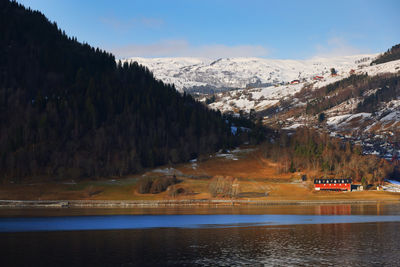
205	76
69	110
390	55
365	101
353	97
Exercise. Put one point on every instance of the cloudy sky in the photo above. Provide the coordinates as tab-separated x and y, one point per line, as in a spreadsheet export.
285	29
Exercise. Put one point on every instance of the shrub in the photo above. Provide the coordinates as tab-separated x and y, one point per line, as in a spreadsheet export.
223	186
144	185
176	191
156	185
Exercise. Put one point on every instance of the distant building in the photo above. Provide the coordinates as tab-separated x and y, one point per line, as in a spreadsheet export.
332	184
317	78
295	82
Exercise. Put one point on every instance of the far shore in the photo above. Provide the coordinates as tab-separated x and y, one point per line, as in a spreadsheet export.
255	180
175	203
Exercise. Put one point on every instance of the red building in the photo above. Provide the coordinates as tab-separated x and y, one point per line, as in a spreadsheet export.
332	184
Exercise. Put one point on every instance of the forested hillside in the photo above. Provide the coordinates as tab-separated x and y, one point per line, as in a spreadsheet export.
387	88
68	110
390	55
308	150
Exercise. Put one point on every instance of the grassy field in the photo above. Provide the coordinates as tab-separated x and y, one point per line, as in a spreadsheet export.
255	178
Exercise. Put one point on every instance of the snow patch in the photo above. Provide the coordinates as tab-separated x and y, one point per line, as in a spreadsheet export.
293	126
393	116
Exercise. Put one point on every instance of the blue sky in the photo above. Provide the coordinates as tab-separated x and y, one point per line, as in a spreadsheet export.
285	29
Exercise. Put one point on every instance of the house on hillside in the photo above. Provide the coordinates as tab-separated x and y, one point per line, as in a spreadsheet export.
295	82
332	184
318	78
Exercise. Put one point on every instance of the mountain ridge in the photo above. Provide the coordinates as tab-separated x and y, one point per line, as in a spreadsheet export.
295	88
238	73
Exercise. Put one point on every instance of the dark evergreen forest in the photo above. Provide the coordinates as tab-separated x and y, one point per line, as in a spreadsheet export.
390	55
68	110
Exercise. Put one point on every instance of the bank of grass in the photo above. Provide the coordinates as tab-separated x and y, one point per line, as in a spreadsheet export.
257	179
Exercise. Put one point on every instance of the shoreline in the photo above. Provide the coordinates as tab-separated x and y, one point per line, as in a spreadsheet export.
9	204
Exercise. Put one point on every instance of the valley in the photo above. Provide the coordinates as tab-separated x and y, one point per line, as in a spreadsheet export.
199	133
283	93
91	126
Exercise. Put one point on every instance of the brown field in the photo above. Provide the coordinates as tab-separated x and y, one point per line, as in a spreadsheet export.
254	177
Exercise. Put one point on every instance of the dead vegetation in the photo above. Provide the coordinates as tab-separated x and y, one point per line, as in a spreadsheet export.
178	190
224	187
247	176
156	185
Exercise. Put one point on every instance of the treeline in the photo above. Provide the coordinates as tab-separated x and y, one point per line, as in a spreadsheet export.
308	150
354	86
390	55
346	82
68	110
248	128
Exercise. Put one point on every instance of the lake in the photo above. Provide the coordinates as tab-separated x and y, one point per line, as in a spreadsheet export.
324	235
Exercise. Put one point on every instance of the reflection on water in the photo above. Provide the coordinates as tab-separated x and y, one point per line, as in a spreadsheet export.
122	222
345	209
323	245
331	243
333	210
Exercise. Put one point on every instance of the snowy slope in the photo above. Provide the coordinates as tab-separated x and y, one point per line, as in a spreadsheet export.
242	84
264	97
263	83
343	117
239	73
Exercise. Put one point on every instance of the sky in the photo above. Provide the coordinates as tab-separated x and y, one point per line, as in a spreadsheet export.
280	29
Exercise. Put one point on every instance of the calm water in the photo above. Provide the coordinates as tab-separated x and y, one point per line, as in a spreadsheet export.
367	235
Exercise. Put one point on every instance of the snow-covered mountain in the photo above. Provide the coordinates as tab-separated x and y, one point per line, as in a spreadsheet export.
261	98
280	91
262	84
344	114
199	74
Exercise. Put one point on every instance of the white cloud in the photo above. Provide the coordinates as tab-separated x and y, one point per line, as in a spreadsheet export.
337	46
122	25
181	48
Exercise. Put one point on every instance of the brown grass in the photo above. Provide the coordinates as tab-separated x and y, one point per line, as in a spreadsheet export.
254	175
248	166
